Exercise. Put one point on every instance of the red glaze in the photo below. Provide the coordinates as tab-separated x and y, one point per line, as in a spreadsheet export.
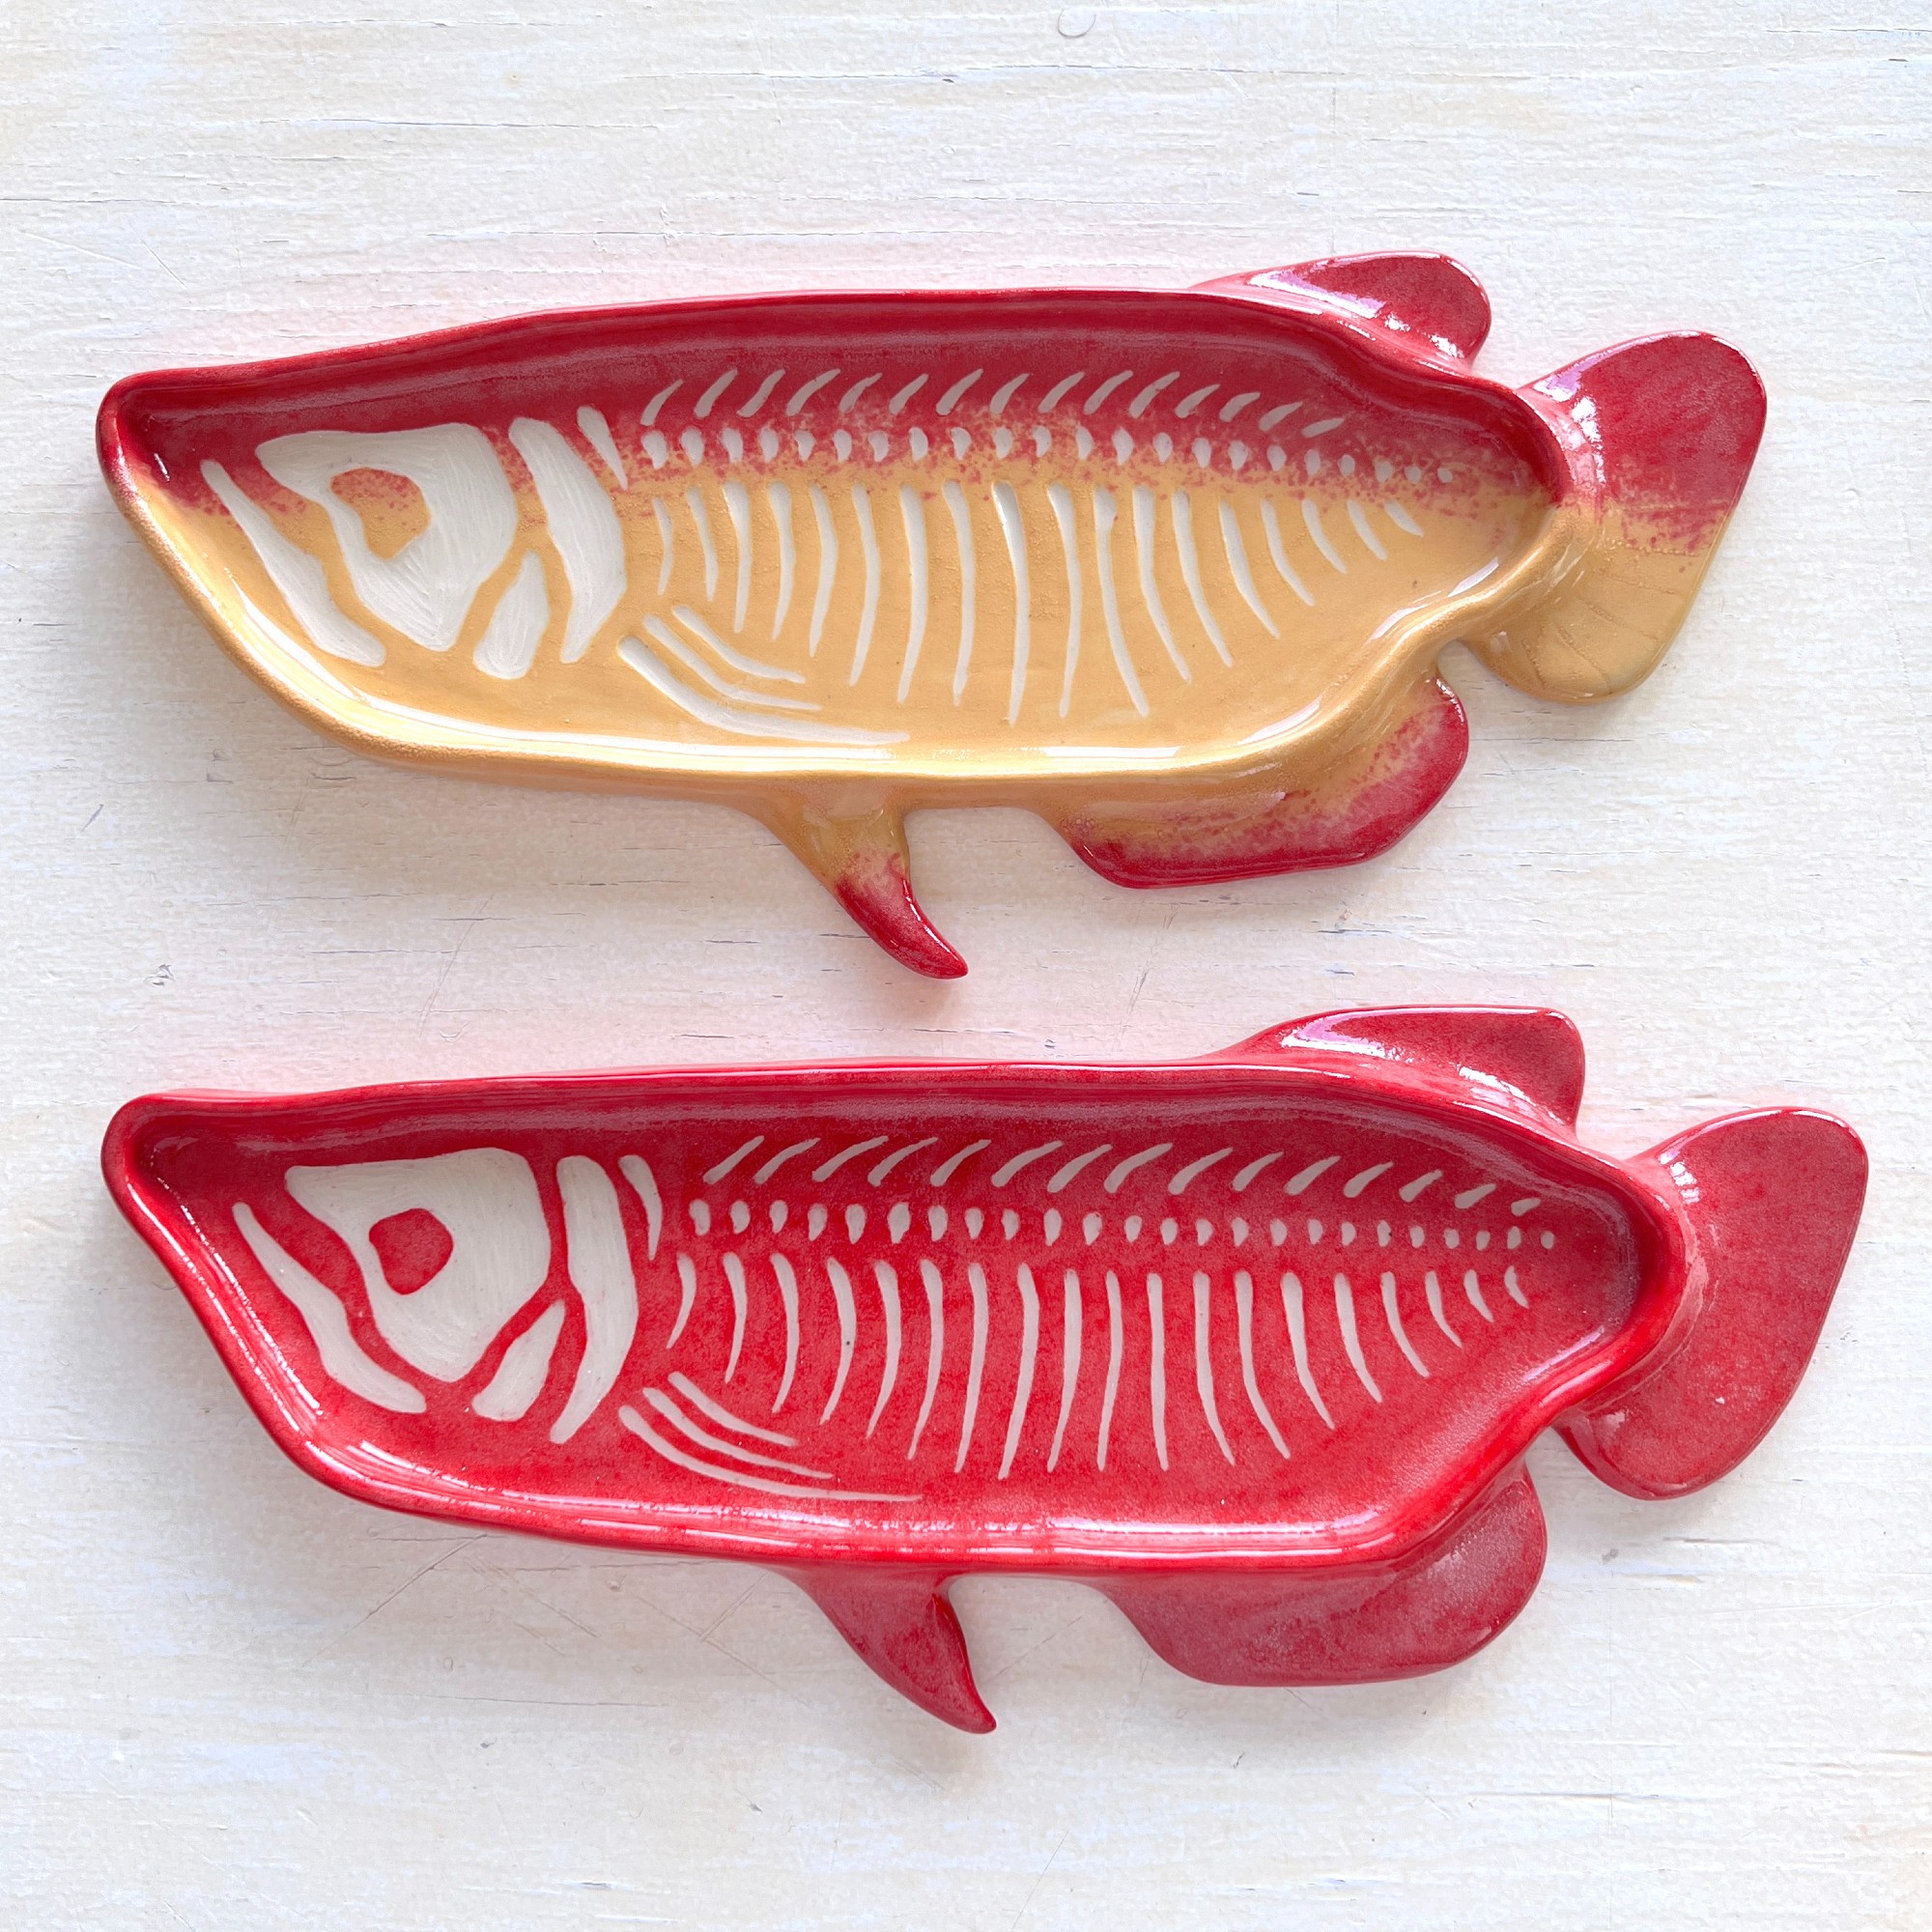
1253	1343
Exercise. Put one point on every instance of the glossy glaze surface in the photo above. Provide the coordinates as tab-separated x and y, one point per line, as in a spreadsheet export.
1172	569
1256	1340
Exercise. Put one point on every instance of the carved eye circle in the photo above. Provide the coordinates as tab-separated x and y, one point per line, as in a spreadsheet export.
414	1248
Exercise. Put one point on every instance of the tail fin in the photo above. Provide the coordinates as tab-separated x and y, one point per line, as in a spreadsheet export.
1660	435
1773	1200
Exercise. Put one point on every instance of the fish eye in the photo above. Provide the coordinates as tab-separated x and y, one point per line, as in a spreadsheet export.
393	510
413	1247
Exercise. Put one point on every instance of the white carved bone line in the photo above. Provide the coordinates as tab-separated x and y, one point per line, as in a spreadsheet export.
778	1160
1104	518
1236	552
1115	1345
598	1257
1023	1382
512	1391
662	633
343	1358
717	1172
1144	532
1204	1365
582	524
1069	1372
884	1167
788	1281
666	539
1351	1341
509	645
1180	508
912	512
848	1332
687	1274
887	1277
296	575
1473	1289
1013	525
734	1276
595	429
976	1280
1157	1369
869	608
935	1314
1244	1314
1298	1337
724	1417
1278	553
743	724
1392	1313
719	1446
740	1479
738	507
1310	516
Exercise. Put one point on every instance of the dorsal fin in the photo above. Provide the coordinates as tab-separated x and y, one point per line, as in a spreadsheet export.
1534	1053
1433	303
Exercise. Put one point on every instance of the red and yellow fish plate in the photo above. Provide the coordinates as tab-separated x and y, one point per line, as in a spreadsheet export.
1172	569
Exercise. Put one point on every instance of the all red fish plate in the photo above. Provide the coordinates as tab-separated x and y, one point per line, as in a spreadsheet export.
1255	1343
1171	568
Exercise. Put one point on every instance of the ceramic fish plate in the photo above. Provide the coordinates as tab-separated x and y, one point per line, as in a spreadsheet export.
1254	1344
1171	569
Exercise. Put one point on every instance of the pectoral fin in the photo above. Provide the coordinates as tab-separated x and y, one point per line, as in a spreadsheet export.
900	1622
859	853
1358	1626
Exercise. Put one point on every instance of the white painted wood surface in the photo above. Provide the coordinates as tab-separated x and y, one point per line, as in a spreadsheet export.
229	1698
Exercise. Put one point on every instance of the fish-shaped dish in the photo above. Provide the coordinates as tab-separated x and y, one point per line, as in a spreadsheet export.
1255	1343
1172	569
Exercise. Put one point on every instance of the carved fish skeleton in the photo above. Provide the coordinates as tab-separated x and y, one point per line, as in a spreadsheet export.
1254	1344
1172	569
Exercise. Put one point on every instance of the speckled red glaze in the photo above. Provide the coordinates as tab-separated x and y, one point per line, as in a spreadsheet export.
1308	1485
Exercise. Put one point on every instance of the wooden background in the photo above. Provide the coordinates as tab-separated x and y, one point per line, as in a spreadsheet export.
229	1698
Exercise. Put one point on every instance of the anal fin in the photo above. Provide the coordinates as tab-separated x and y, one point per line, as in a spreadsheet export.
1349	811
901	1624
1358	1626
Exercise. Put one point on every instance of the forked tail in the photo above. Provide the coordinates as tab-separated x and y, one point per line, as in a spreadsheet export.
1660	435
1773	1200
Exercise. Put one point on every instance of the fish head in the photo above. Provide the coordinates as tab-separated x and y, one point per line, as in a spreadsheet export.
447	1249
